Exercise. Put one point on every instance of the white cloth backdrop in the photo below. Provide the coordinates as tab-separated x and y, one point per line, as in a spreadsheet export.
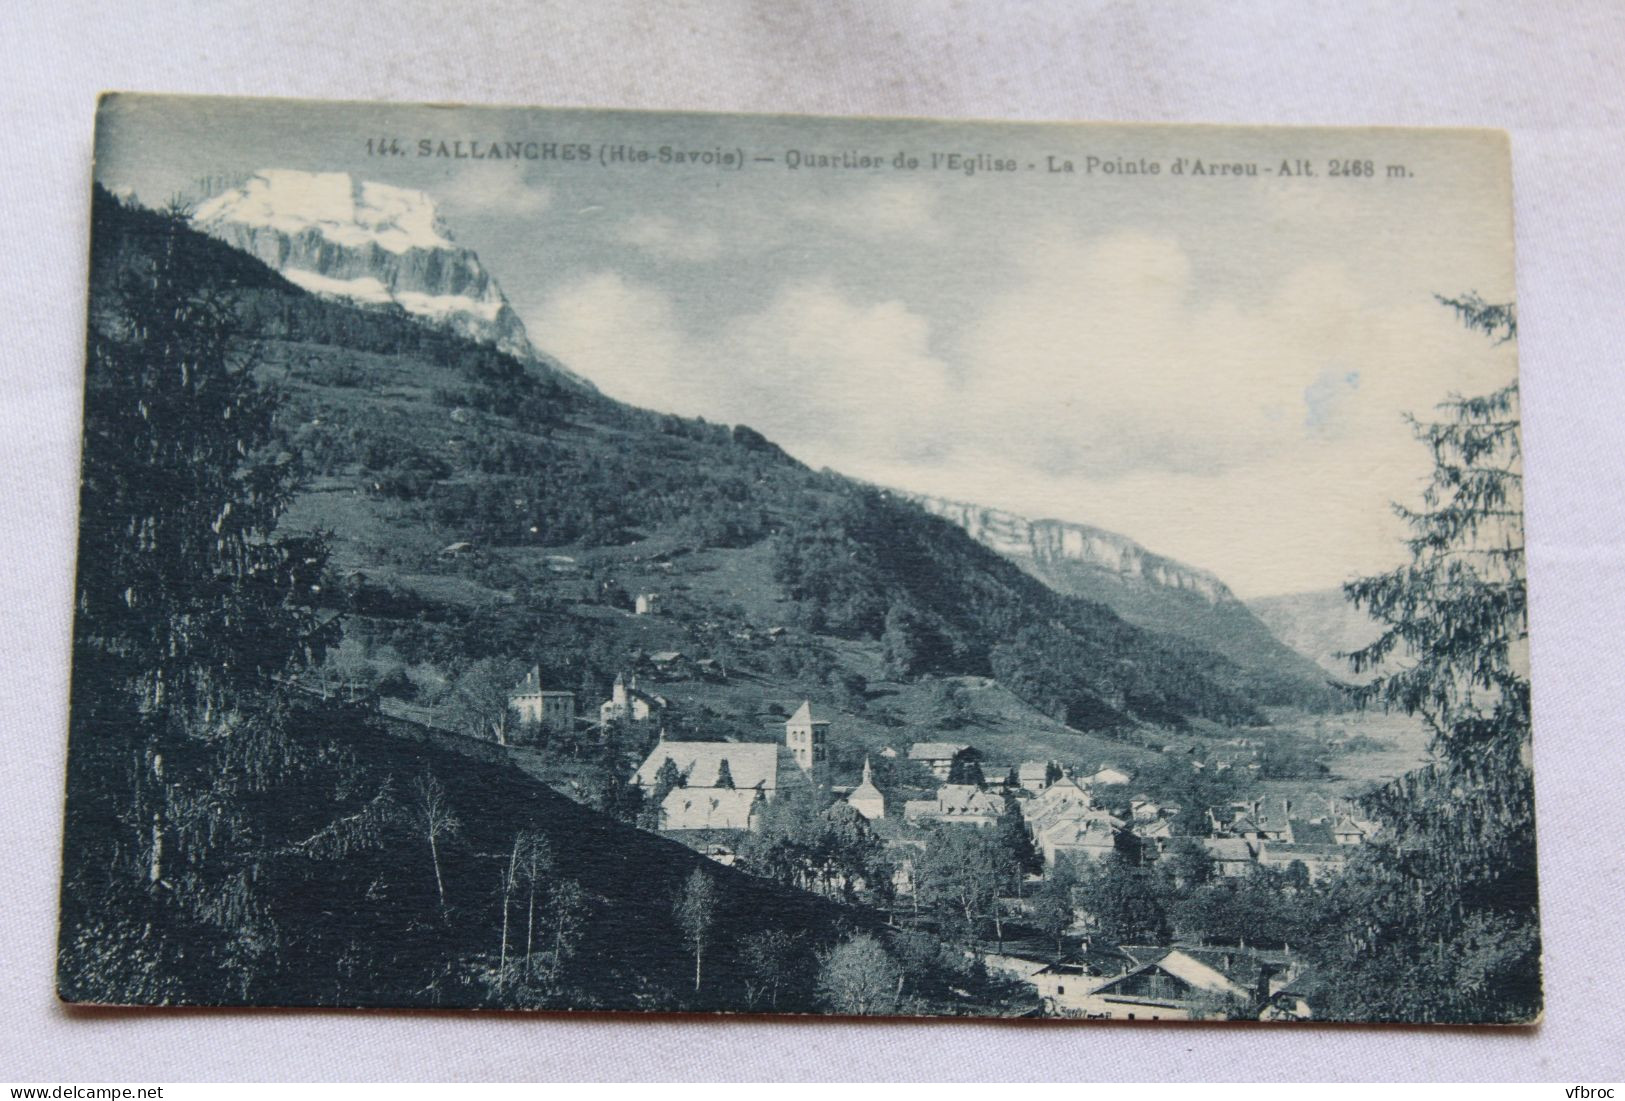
1551	73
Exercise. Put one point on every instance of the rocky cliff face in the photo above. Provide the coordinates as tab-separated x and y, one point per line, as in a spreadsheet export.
1052	542
1145	589
365	242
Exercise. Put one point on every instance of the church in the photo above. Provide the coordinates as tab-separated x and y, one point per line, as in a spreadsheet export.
724	782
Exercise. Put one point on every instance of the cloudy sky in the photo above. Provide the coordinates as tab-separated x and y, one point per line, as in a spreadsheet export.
1216	367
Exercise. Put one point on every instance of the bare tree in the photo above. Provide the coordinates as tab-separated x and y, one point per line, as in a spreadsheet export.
535	865
564	912
436	819
859	976
510	880
767	956
480	705
696	912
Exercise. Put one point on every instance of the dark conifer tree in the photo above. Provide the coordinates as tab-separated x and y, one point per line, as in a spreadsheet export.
1439	921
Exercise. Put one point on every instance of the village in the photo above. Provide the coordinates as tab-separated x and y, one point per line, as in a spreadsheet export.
1042	836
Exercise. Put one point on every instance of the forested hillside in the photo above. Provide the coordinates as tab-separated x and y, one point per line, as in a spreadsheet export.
410	440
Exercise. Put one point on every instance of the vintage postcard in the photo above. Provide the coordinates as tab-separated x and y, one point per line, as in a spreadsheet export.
574	560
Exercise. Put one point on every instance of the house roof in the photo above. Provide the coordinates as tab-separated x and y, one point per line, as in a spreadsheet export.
935	751
1109	775
1312	833
1315	806
967	799
767	765
1086	831
1281	852
665	656
1062	790
707	808
1063	800
1227	848
1036	770
955	801
1198	976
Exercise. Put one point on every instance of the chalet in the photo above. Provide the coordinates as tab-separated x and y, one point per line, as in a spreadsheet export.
551	709
1061	985
669	663
1033	776
1143	809
1175	984
867	799
889	753
647	604
627	704
940	757
956	804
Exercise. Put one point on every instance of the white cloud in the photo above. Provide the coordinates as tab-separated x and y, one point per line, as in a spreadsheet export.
493	189
887	209
1258	435
833	379
665	239
620	334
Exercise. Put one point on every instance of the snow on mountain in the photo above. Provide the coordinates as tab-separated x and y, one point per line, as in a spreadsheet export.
370	243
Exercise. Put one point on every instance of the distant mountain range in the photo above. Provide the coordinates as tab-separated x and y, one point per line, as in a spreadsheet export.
1144	588
1322	625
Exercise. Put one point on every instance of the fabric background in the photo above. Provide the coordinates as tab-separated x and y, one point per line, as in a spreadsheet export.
1552	73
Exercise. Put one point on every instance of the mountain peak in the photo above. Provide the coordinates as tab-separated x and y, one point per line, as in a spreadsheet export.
371	243
346	211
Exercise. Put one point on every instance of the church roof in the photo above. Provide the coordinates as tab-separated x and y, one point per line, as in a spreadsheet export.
751	764
707	809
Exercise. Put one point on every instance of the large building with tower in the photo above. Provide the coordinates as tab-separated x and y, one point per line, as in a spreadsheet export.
551	709
808	739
